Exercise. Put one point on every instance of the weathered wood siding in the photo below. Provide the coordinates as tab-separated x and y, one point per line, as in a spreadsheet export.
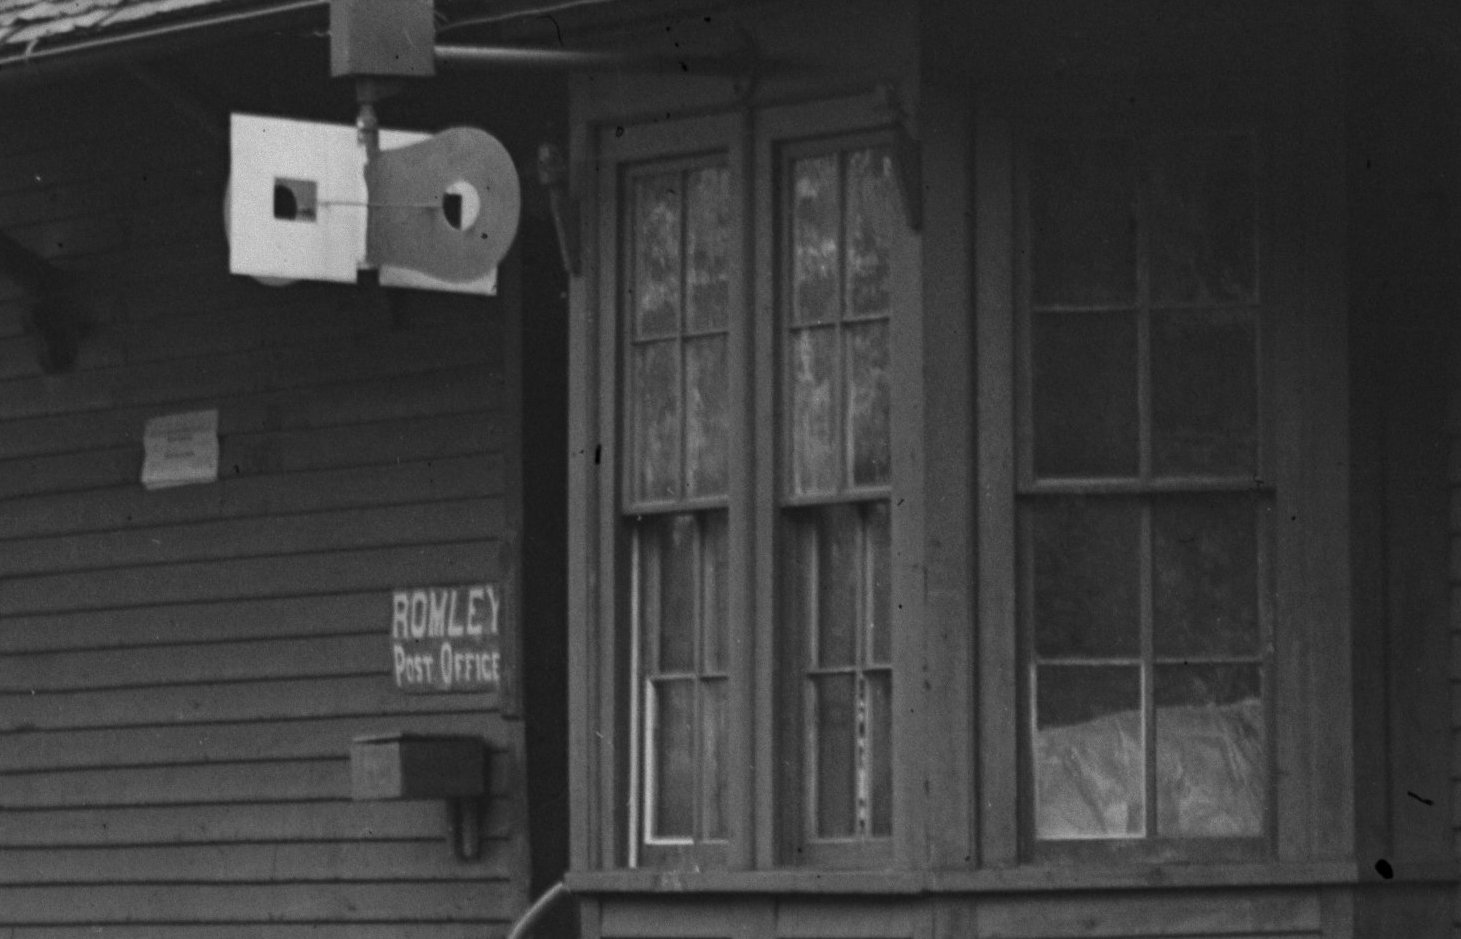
182	671
1454	436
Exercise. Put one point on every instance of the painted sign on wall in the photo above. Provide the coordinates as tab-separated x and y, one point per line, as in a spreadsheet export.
448	639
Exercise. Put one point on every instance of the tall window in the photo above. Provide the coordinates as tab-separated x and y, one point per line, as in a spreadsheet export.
676	291
1144	502
841	217
753	595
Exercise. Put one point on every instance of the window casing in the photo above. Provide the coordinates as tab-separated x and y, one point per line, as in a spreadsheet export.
1144	500
839	227
755	487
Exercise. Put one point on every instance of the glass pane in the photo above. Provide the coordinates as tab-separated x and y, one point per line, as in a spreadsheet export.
868	404
1204	393
706	416
1203	214
834	710
872	212
832	569
816	240
814	458
715	610
1083	222
667	591
656	394
672	710
713	728
880	568
1089	768
1085	407
656	236
1211	764
1205	555
1087	577
707	244
879	748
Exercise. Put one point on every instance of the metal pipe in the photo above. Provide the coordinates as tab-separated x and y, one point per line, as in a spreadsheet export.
525	924
516	56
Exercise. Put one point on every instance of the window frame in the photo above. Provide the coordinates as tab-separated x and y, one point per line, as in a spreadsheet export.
686	142
783	133
757	791
1146	488
786	133
1306	433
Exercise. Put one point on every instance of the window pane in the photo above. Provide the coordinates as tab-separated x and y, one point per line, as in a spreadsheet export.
834	712
814	457
667	591
872	212
1087	577
1211	775
656	392
828	565
879	749
1202	192
1204	393
656	235
1205	555
816	240
673	757
706	416
880	569
707	242
713	727
1083	222
715	596
1085	407
868	403
1089	767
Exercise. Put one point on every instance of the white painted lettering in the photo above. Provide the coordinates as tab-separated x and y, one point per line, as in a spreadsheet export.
453	625
496	603
437	628
446	663
474	622
418	614
398	654
400	604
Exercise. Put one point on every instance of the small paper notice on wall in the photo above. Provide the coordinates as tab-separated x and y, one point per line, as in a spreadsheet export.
180	449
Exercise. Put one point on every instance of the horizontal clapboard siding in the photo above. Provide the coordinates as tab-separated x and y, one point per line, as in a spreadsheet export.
182	671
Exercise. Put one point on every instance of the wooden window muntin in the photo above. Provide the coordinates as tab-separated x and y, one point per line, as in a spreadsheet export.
802	842
642	511
1143	488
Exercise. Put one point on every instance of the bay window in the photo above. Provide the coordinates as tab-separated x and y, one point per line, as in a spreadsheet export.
1088	590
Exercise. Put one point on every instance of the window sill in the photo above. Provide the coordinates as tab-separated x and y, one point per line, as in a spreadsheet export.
1012	880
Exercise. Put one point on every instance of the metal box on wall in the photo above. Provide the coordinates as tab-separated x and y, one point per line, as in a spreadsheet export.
417	766
382	38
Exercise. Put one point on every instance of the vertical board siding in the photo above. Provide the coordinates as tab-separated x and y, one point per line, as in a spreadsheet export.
1454	435
1453	424
182	671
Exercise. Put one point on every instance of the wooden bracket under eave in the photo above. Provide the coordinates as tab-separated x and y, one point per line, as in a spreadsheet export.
553	176
908	163
907	156
55	322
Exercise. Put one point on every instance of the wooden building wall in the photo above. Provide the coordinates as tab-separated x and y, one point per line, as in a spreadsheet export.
182	671
1453	424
